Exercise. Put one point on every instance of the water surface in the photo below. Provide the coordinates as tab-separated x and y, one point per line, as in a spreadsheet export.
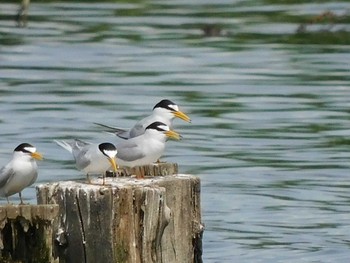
270	116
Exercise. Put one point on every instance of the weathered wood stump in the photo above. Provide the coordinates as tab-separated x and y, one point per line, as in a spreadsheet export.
156	219
26	233
156	169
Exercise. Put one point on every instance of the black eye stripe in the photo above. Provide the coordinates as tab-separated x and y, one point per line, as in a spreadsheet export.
23	147
156	125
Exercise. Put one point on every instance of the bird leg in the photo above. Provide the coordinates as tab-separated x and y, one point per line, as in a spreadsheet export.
8	200
20	197
111	174
104	178
140	174
123	171
126	172
88	178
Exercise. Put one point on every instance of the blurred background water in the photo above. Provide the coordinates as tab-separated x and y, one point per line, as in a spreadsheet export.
270	108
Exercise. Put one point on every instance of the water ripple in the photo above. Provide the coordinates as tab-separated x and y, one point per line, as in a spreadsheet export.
269	136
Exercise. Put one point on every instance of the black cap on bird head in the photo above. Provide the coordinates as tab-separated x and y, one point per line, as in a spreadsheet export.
165	104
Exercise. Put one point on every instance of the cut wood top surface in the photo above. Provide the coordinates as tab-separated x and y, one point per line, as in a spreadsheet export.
118	182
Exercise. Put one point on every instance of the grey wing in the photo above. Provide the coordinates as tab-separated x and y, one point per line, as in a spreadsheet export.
137	130
124	134
79	149
106	126
35	176
80	144
120	132
81	160
5	175
140	126
117	130
129	152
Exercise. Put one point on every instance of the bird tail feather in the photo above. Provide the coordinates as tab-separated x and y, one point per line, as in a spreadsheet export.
65	145
120	132
112	128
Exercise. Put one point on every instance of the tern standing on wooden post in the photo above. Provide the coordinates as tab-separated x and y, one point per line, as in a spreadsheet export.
20	172
146	148
92	158
164	111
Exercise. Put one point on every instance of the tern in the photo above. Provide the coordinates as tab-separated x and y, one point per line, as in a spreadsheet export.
20	172
92	158
146	148
164	111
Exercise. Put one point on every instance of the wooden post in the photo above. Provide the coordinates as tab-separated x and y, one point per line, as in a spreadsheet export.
156	219
26	233
156	169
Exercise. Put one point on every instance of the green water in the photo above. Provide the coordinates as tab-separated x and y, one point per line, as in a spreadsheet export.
269	136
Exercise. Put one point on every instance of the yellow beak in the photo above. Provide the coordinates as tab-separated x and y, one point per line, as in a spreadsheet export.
114	164
37	155
173	135
182	116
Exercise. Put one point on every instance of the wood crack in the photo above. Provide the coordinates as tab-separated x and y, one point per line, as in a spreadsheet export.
82	227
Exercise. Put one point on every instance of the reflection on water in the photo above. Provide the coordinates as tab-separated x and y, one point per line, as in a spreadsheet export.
270	120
